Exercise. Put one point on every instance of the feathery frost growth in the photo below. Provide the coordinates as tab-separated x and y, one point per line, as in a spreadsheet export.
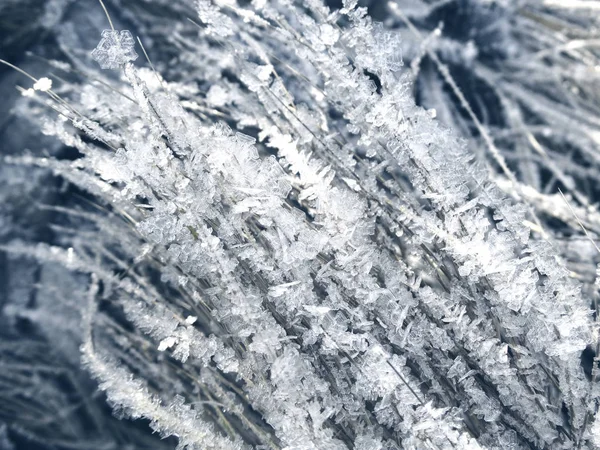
115	49
281	250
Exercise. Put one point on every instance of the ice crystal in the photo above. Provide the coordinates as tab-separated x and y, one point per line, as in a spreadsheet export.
115	49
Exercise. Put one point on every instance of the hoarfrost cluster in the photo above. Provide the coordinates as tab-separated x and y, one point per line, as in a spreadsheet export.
274	246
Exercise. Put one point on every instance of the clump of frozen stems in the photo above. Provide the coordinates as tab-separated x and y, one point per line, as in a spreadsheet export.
290	254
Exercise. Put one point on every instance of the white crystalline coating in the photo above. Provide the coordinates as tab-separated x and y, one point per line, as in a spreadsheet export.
216	22
278	291
352	184
217	96
349	5
167	343
115	49
259	4
329	35
152	79
43	84
190	320
264	72
245	139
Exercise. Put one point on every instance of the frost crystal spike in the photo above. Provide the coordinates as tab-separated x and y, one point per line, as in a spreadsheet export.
115	49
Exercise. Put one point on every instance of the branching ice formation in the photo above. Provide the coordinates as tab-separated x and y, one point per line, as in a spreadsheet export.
115	49
284	251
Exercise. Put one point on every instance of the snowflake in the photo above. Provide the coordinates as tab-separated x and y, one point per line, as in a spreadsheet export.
115	49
